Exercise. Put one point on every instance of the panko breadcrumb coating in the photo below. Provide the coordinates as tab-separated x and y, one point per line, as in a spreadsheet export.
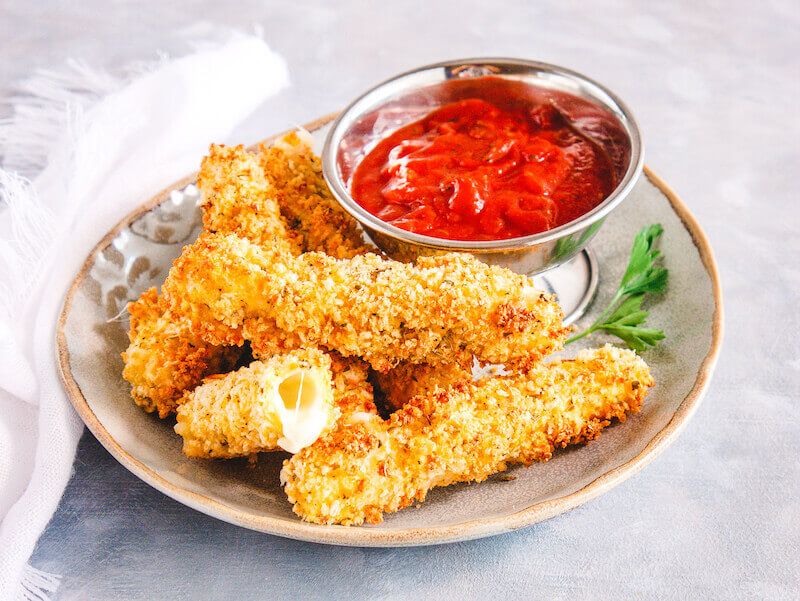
164	358
306	201
235	414
467	432
407	380
238	199
352	391
440	310
285	401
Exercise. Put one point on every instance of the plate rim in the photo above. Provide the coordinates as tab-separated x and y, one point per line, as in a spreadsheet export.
373	537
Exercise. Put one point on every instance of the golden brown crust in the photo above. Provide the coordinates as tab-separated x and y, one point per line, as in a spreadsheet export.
305	200
407	380
439	311
164	358
463	433
241	413
238	199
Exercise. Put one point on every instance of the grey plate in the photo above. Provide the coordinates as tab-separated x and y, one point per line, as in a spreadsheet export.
137	254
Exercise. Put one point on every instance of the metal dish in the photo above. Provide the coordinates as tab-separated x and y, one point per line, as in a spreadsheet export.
593	109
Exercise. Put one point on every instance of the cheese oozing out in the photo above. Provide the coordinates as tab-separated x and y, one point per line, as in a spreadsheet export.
301	408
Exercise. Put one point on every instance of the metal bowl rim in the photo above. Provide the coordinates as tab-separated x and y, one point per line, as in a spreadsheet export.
371	222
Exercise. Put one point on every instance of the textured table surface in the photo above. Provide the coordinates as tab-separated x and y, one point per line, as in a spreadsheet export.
717	516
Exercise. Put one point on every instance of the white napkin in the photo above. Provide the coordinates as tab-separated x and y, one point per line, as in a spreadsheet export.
110	143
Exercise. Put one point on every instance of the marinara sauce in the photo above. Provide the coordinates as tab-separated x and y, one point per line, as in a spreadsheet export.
473	171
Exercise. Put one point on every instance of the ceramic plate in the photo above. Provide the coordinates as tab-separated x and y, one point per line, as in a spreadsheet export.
137	254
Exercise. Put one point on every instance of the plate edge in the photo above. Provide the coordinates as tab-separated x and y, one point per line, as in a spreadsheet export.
360	536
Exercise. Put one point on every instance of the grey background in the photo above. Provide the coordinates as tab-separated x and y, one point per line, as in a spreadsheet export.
715	88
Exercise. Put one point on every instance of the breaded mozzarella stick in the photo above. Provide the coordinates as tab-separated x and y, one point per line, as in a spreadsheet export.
306	201
238	199
233	414
164	358
440	310
468	432
285	401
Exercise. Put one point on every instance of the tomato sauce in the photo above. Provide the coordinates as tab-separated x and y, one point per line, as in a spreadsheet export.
473	171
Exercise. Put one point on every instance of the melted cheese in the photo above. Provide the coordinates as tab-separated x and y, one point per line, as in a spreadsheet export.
301	408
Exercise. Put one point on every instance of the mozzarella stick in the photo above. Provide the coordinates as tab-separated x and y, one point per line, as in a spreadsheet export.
238	199
245	412
164	358
306	201
465	433
352	391
440	310
407	380
286	401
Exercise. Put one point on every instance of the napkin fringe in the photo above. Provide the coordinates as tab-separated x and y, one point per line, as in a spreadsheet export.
47	113
46	174
33	229
37	585
46	107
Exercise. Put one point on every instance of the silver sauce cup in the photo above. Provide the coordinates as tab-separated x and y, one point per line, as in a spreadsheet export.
408	97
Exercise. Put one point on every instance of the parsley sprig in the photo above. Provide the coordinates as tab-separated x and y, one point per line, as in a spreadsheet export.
644	274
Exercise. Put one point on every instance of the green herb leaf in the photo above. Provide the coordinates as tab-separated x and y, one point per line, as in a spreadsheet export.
635	337
644	274
630	306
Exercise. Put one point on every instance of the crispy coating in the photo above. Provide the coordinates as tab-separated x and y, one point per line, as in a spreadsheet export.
164	358
233	415
238	199
247	411
407	380
441	310
352	391
467	432
306	201
309	207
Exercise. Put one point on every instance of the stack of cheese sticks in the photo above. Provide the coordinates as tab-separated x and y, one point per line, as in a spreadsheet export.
281	273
